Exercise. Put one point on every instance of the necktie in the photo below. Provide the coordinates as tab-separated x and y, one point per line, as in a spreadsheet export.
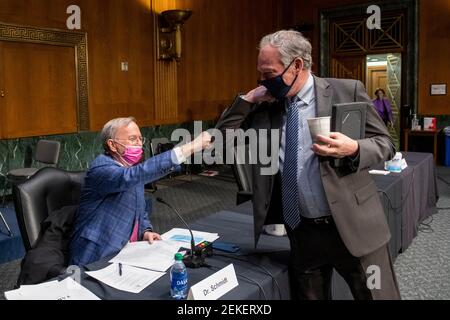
289	186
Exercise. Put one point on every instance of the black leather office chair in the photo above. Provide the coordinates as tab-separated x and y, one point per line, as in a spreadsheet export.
242	170
48	190
46	153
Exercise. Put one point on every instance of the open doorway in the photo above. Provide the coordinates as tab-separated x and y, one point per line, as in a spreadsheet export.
384	71
346	43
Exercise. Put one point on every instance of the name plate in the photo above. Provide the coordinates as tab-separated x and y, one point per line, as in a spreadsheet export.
215	286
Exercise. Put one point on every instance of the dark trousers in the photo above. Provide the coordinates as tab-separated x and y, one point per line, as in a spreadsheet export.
317	249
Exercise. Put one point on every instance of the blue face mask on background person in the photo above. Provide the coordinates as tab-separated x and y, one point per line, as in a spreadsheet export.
276	85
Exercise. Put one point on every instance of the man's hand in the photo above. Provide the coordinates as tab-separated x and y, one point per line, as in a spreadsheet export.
203	141
259	94
337	145
151	236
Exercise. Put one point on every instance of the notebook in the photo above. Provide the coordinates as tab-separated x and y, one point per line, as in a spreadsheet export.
349	119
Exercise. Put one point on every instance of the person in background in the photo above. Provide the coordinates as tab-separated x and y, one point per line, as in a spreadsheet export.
112	204
383	107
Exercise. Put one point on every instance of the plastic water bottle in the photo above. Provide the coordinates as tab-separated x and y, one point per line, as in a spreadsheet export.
178	278
415	123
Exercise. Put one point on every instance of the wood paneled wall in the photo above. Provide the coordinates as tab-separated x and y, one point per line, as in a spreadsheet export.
32	96
434	52
308	12
166	74
219	53
434	45
118	30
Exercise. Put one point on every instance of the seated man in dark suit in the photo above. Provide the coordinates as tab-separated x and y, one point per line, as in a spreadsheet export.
112	205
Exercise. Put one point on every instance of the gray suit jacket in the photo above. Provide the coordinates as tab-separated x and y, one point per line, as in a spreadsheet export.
353	196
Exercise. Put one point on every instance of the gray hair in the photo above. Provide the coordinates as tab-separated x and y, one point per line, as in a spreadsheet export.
110	128
291	44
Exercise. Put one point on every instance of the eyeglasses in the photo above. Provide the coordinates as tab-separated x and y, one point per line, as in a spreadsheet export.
134	140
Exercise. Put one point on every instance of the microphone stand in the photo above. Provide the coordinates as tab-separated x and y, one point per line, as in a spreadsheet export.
192	260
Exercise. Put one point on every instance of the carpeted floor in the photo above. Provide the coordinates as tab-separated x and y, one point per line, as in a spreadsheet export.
423	271
193	198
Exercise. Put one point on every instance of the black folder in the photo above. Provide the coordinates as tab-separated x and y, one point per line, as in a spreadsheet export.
349	119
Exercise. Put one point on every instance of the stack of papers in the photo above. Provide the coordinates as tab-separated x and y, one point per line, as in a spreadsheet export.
380	172
183	238
67	289
143	263
158	256
129	279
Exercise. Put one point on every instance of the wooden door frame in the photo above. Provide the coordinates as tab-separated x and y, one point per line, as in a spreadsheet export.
360	57
409	60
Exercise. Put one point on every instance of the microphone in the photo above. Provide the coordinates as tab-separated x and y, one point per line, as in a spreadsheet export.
192	260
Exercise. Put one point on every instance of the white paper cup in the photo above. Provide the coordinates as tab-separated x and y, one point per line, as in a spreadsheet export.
320	126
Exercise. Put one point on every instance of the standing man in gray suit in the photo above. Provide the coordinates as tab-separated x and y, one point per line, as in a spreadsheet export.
333	217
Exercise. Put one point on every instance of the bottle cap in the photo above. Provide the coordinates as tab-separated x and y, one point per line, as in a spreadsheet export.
178	256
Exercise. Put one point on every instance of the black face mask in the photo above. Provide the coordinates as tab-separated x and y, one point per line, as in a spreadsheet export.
276	85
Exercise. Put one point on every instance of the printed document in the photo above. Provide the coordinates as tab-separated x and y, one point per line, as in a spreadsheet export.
126	278
158	256
66	289
183	236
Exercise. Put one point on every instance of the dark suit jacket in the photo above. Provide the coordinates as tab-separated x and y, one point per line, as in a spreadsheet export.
352	197
50	256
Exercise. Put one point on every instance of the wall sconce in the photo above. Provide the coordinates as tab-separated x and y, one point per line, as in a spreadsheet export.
169	33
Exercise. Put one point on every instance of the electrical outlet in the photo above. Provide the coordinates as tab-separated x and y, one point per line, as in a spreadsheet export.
124	66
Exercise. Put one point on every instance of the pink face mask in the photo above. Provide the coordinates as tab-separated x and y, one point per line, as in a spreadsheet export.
132	154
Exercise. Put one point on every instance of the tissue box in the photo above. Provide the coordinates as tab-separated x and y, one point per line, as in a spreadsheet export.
393	165
396	164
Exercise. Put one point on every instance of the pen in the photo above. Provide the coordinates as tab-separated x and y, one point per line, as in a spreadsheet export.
120	269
